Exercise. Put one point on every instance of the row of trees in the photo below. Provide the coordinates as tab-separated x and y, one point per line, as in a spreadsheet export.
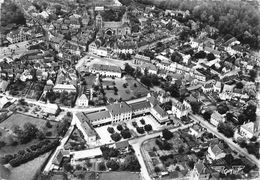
30	153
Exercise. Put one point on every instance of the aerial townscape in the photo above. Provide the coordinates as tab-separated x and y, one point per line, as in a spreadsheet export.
129	89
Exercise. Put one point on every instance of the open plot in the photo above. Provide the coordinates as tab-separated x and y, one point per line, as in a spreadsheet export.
119	176
35	91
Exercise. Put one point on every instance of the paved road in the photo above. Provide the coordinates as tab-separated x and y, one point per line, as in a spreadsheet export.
137	143
49	165
229	141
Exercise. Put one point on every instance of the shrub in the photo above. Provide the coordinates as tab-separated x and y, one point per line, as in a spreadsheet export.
148	127
49	133
140	130
119	127
116	137
125	133
48	124
110	130
101	166
113	165
134	123
142	121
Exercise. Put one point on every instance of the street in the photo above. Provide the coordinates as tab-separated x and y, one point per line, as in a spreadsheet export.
137	143
229	141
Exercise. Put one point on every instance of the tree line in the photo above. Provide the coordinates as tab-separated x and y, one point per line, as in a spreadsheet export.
237	18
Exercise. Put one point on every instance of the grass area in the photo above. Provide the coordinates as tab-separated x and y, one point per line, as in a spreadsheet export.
128	89
76	141
19	119
119	176
28	170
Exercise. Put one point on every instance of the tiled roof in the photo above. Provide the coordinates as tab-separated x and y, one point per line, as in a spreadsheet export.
122	144
98	115
140	105
119	108
102	67
216	150
160	111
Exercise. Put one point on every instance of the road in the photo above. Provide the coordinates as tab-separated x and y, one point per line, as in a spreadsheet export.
137	143
49	165
229	141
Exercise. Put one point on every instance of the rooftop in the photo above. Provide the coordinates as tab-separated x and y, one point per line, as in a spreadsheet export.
140	105
102	67
98	115
119	108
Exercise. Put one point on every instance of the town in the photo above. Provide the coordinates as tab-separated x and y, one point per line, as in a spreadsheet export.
127	89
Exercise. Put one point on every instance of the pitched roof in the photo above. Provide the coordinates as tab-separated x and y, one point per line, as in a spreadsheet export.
160	111
119	108
200	167
249	127
216	150
217	116
102	67
140	105
98	115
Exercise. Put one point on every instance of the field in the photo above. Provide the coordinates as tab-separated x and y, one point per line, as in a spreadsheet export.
28	170
128	88
19	119
119	176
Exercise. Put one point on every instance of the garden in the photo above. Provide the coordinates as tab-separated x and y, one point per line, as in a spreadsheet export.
36	90
76	141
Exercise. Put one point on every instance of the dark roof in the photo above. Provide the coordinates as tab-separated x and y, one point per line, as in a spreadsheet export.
98	115
160	111
140	105
119	108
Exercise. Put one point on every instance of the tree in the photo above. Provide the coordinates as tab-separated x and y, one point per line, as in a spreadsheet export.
211	56
129	69
177	168
140	130
102	166
195	107
126	133
250	112
142	121
119	127
239	85
229	159
222	109
48	124
116	137
252	74
113	165
226	129
134	123
167	134
62	127
110	130
200	55
40	135
207	115
241	118
2	144
146	80
131	163
157	169
67	167
148	127
180	150
176	57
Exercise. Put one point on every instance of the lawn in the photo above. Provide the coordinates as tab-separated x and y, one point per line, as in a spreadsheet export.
19	88
28	170
119	176
20	120
133	89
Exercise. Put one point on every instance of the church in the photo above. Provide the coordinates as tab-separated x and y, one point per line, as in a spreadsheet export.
117	28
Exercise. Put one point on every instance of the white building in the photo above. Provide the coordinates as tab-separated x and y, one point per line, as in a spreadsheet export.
215	153
216	118
180	109
64	87
106	70
248	130
82	101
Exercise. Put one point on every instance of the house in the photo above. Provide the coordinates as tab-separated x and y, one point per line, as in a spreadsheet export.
216	118
99	118
3	102
150	68
180	109
64	87
120	111
82	101
159	114
96	49
140	108
3	85
141	59
51	109
248	130
62	153
196	130
215	152
84	126
200	171
207	87
16	36
106	70
217	87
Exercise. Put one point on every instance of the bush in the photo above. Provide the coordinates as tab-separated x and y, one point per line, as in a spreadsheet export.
134	123
142	121
148	127
116	137
110	130
48	124
126	133
2	144
119	127
113	165
101	166
157	169
140	130
49	133
167	134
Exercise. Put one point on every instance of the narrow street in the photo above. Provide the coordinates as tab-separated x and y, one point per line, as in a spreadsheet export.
229	141
137	143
